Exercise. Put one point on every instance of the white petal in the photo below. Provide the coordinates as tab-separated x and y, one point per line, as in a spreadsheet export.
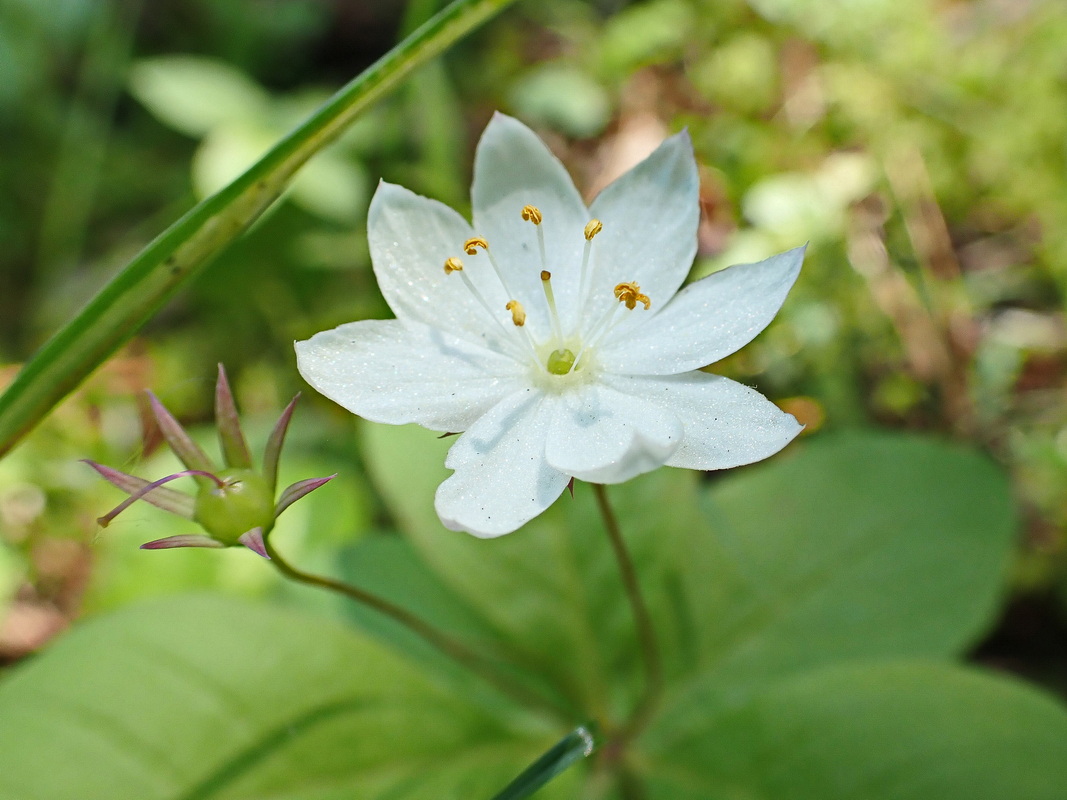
650	218
410	237
708	320
389	371
726	424
601	435
501	478
513	168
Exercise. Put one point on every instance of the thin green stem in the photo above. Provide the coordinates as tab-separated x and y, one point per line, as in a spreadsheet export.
477	663
180	252
646	632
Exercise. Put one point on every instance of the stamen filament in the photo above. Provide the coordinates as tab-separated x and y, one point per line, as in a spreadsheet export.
470	247
550	297
592	228
518	318
628	296
533	214
452	266
602	326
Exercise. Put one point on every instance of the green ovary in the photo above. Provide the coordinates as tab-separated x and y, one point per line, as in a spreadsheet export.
560	362
244	503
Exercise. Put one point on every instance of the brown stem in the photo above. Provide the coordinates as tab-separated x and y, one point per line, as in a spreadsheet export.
646	633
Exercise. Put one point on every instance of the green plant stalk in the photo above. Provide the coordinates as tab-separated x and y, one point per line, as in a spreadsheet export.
576	745
646	632
453	648
130	299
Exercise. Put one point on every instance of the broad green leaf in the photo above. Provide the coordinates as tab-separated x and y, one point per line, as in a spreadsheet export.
902	731
199	697
550	591
856	546
853	547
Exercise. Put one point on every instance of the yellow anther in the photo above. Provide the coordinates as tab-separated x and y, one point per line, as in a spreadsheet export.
546	275
470	247
592	228
518	313
453	264
532	214
629	294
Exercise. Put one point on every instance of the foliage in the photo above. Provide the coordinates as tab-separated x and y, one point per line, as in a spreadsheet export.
825	618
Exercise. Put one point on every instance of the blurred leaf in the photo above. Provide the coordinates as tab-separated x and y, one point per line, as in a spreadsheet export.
904	731
645	33
200	697
741	73
193	94
562	97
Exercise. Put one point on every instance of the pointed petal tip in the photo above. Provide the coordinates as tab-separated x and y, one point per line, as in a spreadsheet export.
253	540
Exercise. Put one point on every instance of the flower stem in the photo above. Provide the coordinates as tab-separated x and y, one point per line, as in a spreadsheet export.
646	633
477	663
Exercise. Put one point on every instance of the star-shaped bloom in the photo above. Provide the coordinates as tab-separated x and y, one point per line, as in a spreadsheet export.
554	335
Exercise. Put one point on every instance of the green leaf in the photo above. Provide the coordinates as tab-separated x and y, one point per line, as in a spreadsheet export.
904	731
199	697
852	546
180	252
551	592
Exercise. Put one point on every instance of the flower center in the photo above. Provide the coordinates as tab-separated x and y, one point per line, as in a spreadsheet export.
565	356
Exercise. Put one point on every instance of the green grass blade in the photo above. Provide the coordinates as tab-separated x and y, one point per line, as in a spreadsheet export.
578	744
180	252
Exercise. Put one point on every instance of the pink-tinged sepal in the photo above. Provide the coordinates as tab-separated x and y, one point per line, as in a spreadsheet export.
274	445
232	440
159	496
182	540
153	486
298	490
185	448
253	540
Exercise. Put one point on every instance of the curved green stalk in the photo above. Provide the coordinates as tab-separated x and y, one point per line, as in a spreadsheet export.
459	652
180	252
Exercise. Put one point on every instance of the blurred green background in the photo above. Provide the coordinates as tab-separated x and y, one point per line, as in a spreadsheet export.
919	145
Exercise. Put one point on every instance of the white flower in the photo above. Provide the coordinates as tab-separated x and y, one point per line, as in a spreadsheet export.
554	334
